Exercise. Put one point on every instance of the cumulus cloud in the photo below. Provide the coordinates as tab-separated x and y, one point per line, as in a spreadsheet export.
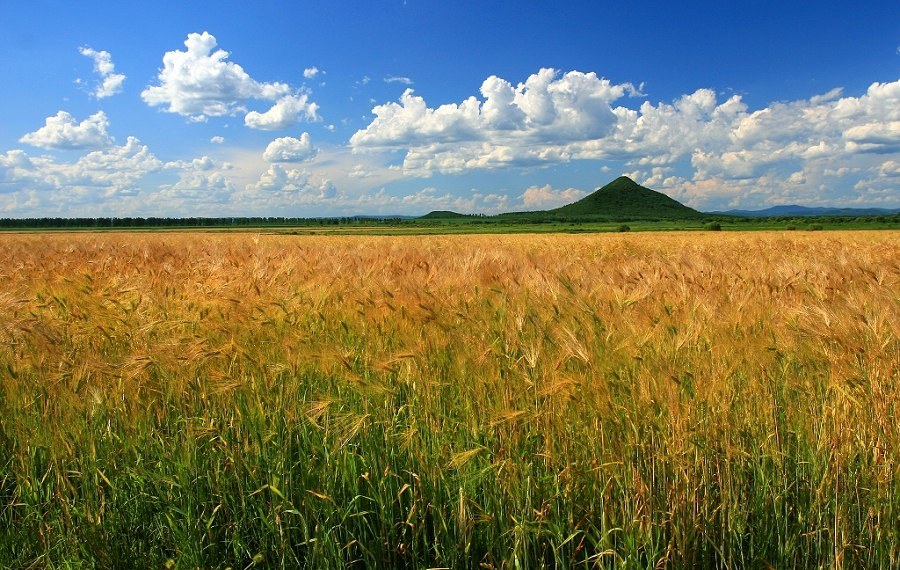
110	82
824	136
120	180
217	140
201	181
546	197
545	108
878	137
285	186
555	117
524	124
551	118
199	82
62	131
302	192
204	163
285	113
890	169
311	72
101	173
290	149
18	171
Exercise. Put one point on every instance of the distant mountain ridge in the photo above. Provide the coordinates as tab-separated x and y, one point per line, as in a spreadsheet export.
805	211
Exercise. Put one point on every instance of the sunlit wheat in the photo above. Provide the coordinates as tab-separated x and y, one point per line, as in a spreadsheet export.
616	400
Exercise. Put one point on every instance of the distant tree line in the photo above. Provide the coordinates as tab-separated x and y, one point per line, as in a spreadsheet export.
804	220
225	222
457	219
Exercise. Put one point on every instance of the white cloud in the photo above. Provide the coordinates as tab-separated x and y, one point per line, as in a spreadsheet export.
102	173
283	186
217	140
551	119
412	123
285	113
796	147
546	197
359	171
658	177
555	118
838	172
890	169
290	149
62	131
200	83
874	137
311	72
125	180
201	181
712	153
420	202
525	124
18	171
110	82
430	199
204	163
393	79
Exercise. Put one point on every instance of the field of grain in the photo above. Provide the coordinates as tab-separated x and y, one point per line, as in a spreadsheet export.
618	401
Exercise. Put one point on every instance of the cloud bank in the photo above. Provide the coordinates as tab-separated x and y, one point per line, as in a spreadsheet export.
113	171
704	149
711	150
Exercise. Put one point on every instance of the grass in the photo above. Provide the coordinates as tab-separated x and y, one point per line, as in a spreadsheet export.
488	226
712	399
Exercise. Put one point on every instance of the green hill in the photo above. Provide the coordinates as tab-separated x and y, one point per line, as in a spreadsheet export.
625	198
442	215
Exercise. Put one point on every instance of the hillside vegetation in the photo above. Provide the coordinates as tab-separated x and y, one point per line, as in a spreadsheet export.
625	198
621	199
705	400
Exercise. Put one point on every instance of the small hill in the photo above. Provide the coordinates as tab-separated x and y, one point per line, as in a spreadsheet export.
442	215
625	198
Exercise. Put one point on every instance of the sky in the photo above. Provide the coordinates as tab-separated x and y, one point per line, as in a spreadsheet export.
341	108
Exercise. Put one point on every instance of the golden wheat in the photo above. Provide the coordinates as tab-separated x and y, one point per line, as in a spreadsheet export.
618	400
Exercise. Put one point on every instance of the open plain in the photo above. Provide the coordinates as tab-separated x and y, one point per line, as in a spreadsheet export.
710	399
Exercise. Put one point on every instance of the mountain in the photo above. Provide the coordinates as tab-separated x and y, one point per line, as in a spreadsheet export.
621	199
804	211
625	198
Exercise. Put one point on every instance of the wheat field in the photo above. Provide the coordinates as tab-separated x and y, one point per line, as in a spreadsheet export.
693	399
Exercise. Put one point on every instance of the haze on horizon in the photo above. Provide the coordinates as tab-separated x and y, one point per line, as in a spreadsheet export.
404	107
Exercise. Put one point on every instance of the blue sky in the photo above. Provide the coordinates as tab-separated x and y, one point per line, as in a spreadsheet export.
340	108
